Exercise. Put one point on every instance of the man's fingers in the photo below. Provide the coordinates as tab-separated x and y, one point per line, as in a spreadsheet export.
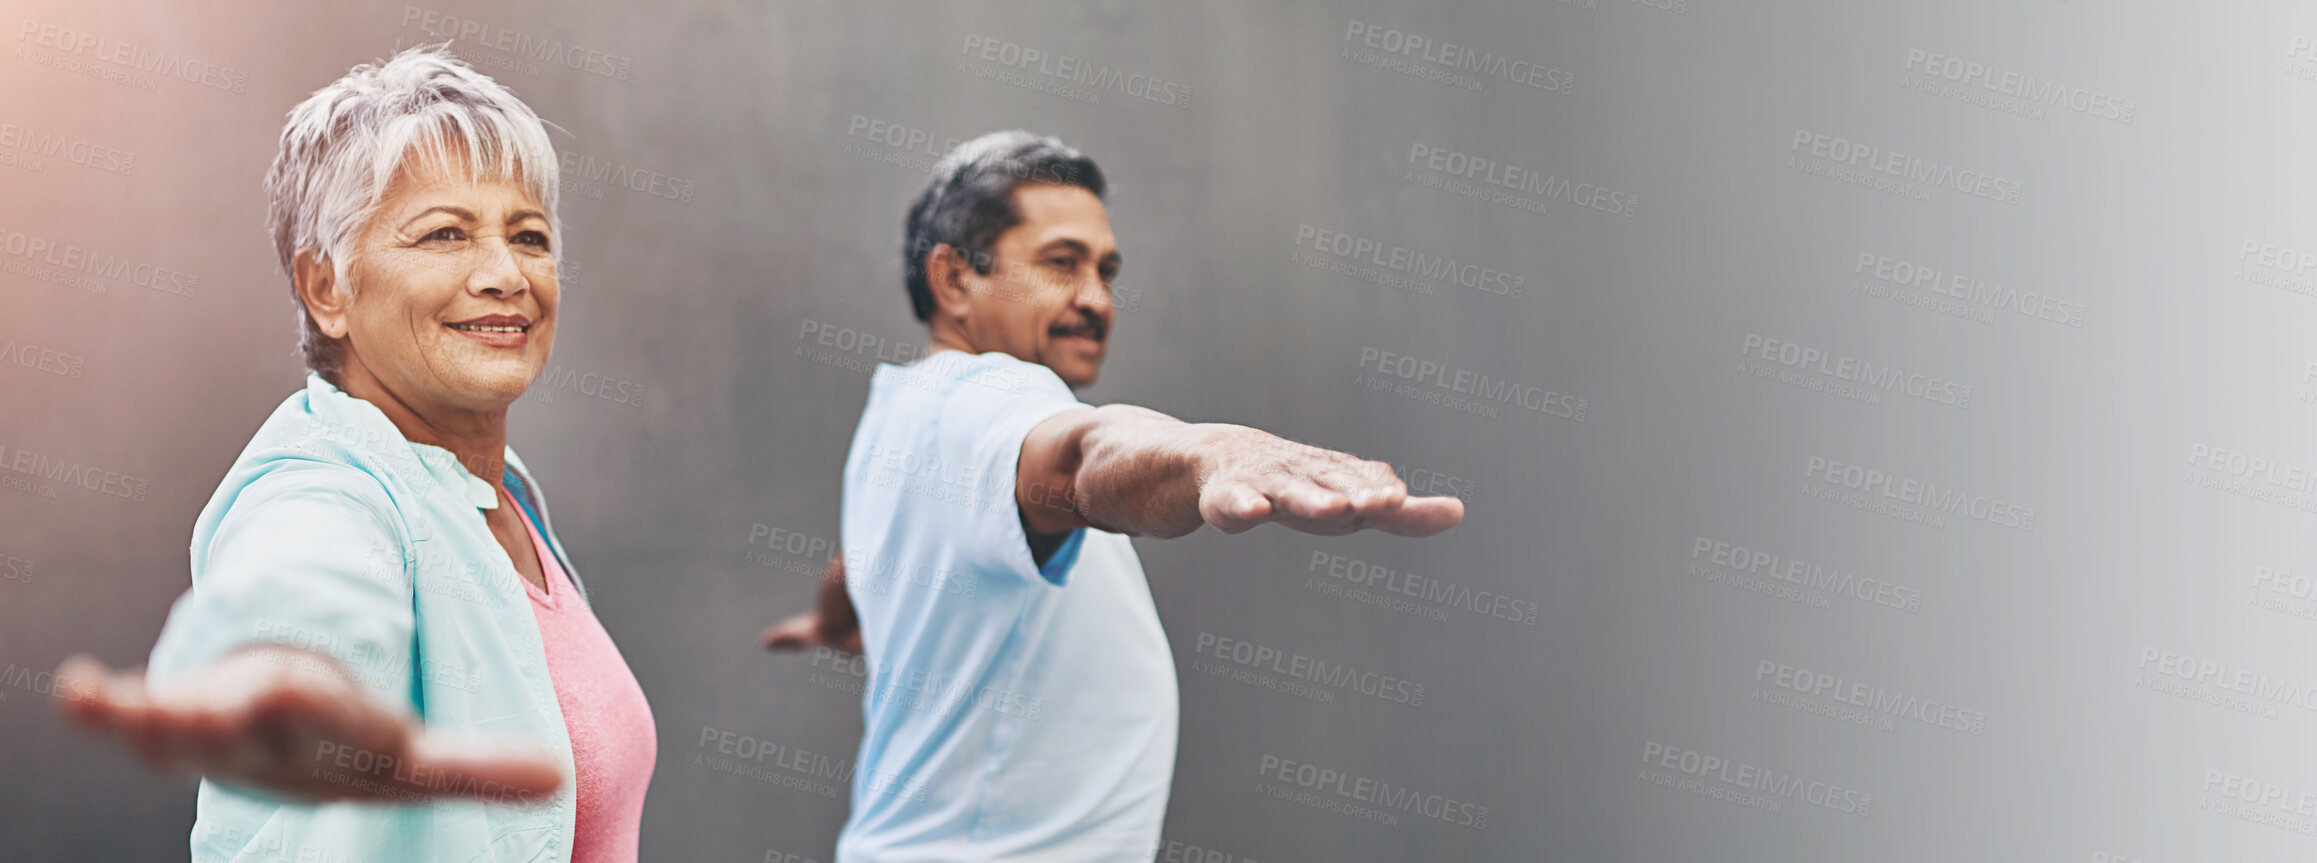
795	633
1234	507
1309	501
1421	516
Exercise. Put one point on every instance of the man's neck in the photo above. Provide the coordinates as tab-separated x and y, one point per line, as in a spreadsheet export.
477	439
946	335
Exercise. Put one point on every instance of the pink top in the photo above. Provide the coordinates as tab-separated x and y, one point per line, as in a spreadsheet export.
613	742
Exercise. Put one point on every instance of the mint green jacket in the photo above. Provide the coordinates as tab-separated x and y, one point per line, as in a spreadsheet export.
334	534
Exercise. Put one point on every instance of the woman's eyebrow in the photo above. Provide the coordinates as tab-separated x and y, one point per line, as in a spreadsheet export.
441	208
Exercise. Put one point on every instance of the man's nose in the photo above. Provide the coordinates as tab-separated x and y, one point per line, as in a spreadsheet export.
1094	296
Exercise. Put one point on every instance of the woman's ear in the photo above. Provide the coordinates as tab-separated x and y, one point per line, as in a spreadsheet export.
326	300
945	276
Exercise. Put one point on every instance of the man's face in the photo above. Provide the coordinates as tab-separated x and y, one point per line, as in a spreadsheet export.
1046	299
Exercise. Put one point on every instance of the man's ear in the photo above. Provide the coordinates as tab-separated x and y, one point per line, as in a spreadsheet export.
945	269
318	289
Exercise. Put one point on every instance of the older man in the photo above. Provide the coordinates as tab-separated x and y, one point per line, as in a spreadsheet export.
1022	703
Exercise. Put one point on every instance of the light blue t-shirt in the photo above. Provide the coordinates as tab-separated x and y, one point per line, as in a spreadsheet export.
1013	712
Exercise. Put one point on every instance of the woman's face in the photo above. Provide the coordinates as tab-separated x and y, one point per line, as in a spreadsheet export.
454	290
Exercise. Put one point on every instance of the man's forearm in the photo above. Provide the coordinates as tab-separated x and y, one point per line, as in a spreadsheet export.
1136	471
1139	470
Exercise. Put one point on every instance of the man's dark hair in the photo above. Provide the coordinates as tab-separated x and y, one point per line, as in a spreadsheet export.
970	200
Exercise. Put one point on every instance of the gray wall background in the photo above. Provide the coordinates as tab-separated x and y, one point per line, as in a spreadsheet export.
2156	433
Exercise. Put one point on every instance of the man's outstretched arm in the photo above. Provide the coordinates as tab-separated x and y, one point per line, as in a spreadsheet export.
1136	471
831	624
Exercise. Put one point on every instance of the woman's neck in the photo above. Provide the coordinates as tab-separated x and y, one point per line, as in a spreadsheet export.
477	438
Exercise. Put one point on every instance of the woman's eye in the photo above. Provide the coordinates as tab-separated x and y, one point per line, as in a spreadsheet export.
443	234
532	238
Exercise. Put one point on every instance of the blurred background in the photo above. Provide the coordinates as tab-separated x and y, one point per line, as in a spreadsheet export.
1884	427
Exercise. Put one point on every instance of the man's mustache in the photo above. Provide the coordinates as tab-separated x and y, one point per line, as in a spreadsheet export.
1089	328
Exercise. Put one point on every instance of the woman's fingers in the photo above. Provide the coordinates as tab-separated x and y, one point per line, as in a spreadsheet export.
443	765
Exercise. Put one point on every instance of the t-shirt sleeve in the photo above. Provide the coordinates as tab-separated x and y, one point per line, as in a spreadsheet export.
987	414
310	558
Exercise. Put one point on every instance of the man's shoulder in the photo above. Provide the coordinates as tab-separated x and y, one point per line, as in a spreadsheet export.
956	375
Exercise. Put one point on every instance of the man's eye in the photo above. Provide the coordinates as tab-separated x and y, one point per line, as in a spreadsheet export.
1062	263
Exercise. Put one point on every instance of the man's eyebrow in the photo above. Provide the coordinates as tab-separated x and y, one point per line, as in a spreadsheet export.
1068	242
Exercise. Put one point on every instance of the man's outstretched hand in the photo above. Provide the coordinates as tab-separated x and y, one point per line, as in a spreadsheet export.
290	723
1249	478
832	625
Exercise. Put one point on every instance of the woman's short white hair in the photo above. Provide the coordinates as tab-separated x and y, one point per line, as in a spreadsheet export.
343	145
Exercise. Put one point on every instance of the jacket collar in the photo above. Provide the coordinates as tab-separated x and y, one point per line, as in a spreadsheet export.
332	404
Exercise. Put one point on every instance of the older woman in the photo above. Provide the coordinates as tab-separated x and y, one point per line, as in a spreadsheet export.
380	608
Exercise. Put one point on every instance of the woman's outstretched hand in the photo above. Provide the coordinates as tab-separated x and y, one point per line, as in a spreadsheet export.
291	723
